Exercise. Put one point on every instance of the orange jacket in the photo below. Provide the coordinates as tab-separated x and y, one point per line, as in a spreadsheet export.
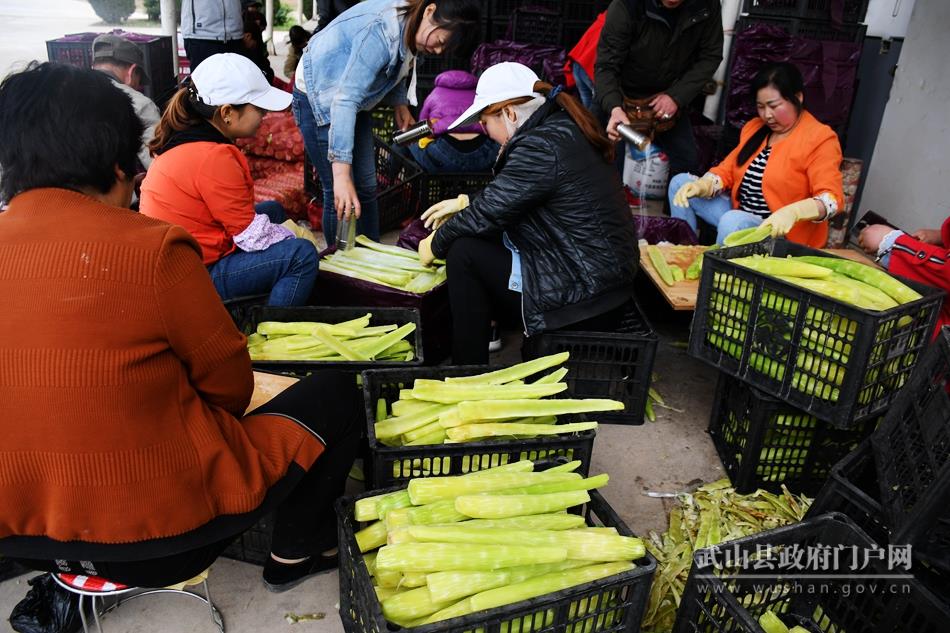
124	382
805	164
207	189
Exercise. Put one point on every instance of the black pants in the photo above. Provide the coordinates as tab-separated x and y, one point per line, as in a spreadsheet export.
326	402
479	269
200	50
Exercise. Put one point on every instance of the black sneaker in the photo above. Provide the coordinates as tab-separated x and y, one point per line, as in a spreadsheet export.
279	577
494	344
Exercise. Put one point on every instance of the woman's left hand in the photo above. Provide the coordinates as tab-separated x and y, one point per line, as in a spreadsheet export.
404	118
425	251
870	238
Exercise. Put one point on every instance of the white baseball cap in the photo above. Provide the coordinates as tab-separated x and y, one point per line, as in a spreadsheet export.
501	82
229	78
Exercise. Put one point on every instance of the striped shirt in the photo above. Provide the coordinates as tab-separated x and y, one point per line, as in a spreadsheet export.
751	198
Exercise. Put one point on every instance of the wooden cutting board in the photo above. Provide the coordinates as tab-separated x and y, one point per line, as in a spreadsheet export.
682	294
266	386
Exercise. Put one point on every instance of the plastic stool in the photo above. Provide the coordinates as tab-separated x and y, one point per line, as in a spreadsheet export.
97	588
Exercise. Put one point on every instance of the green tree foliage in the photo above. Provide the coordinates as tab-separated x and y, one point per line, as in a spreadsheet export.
113	11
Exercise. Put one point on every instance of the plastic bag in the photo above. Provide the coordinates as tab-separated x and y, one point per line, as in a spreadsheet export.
655	229
47	608
413	234
646	173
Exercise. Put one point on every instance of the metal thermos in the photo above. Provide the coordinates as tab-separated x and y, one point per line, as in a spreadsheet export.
640	141
346	232
420	130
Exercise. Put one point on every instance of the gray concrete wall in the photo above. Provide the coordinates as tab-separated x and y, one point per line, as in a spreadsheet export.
909	177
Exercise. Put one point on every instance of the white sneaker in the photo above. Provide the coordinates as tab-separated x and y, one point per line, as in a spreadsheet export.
495	343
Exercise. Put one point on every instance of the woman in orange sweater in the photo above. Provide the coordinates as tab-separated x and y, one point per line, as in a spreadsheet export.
123	381
201	181
785	172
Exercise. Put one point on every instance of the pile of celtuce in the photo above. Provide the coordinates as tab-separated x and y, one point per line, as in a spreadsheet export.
385	265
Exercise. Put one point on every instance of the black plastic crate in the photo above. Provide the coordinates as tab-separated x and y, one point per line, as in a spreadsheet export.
433	306
852	10
381	316
810	29
852	489
583	10
912	452
76	50
384	126
240	307
764	443
504	9
394	176
572	31
621	598
253	546
764	331
616	364
395	465
433	188
541	26
731	585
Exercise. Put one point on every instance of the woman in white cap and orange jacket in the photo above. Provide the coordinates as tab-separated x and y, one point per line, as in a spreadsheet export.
201	181
549	243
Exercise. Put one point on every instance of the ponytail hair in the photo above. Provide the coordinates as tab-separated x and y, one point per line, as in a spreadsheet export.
787	79
588	125
184	110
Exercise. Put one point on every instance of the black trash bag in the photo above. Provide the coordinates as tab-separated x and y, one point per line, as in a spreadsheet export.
47	608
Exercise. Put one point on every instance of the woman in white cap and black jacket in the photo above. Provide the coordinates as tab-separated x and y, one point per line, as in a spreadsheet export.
549	242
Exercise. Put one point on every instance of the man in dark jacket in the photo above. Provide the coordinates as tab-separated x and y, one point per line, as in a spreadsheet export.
664	49
329	9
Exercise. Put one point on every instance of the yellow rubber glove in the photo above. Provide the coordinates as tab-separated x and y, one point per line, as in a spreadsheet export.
782	221
701	188
425	251
300	231
439	213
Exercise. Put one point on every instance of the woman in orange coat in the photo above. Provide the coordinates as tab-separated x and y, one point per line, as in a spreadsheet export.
127	453
785	172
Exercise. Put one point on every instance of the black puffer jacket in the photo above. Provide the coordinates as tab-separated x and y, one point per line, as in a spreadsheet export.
563	208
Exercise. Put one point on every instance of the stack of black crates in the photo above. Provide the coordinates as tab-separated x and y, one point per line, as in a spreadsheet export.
896	486
555	22
811	19
814	19
805	379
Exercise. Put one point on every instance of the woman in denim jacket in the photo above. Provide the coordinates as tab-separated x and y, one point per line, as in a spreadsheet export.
359	60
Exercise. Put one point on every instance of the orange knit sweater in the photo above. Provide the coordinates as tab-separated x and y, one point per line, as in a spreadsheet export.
122	381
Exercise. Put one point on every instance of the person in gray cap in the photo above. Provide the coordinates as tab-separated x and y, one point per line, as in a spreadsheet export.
124	63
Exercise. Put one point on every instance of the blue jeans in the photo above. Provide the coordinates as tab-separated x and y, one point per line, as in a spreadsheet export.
585	85
286	269
440	157
316	140
717	211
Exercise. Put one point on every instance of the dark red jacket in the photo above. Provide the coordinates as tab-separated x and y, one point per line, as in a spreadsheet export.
925	263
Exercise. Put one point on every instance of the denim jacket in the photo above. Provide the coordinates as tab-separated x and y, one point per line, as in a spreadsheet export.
351	66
